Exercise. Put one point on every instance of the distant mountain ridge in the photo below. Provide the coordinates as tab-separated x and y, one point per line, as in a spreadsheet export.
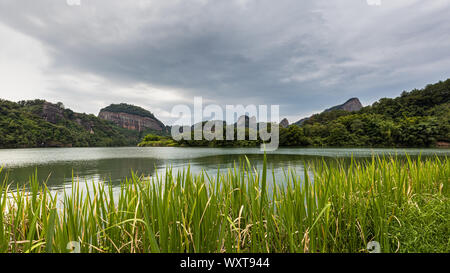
351	105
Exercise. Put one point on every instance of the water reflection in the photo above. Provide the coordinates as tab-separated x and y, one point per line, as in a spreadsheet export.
91	165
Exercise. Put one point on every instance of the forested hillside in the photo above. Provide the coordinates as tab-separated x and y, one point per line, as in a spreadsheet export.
420	118
39	123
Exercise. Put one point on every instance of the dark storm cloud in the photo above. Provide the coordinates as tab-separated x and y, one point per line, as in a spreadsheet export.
303	55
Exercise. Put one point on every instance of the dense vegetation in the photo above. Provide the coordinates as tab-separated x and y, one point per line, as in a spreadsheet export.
26	124
401	203
152	140
420	118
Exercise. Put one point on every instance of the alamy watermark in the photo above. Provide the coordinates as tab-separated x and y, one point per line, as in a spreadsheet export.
374	2
78	2
252	121
373	247
74	247
73	2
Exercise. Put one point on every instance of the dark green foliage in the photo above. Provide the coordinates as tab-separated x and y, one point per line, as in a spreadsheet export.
325	117
419	118
414	103
294	136
22	125
151	137
152	140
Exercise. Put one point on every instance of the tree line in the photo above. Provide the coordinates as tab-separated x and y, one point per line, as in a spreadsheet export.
419	118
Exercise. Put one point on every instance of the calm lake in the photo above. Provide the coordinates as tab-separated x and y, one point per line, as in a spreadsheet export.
93	165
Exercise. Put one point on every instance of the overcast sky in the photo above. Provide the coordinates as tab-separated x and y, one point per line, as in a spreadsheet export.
303	55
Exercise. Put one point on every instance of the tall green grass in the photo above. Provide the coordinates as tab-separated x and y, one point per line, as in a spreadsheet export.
402	204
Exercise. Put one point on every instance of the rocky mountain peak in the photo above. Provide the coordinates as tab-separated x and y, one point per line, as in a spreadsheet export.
350	105
284	123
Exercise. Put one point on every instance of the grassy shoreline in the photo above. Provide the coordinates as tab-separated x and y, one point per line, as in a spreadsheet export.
403	205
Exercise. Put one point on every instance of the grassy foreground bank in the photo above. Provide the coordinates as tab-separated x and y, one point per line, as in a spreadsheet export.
402	204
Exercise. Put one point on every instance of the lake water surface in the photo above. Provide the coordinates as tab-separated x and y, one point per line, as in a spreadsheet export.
91	165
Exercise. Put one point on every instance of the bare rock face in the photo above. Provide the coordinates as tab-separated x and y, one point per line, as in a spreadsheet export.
351	105
284	123
52	112
131	121
131	117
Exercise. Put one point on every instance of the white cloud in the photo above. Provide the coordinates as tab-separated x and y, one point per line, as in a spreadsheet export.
22	66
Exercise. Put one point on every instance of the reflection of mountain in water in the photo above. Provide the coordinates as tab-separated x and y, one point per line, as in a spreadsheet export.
112	170
117	169
59	173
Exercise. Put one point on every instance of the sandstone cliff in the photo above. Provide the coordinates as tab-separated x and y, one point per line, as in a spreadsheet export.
51	112
131	117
